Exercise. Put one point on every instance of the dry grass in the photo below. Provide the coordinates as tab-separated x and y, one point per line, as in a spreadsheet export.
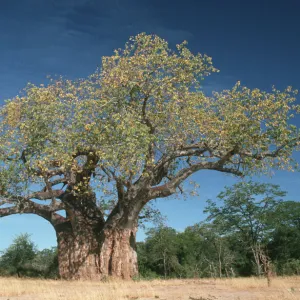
204	289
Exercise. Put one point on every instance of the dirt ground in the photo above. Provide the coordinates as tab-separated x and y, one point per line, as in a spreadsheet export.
228	289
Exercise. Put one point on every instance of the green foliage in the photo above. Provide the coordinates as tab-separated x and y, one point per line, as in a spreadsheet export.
24	260
288	213
161	247
251	218
247	207
17	258
45	263
134	131
284	245
114	123
288	268
196	252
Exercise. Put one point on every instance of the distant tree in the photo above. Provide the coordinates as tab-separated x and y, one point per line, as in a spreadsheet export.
243	256
161	245
45	263
204	252
226	244
192	250
220	257
146	268
103	147
249	209
18	257
284	245
288	212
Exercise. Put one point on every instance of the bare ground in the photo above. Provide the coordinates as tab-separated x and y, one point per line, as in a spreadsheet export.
287	288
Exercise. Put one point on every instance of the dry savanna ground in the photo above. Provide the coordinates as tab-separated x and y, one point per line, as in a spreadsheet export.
287	288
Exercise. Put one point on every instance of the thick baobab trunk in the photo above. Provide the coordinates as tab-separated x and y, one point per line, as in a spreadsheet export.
118	255
89	255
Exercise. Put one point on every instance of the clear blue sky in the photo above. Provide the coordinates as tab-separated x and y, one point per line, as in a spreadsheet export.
256	42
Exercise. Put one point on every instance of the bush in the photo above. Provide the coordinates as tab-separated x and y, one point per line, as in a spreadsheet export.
291	267
22	259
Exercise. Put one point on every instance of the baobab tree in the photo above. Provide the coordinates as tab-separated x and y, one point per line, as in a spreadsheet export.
101	148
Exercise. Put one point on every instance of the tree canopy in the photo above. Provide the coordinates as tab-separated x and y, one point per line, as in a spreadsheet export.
141	117
20	253
249	209
135	130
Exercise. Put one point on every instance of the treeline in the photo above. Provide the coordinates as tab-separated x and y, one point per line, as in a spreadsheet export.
201	251
23	259
249	230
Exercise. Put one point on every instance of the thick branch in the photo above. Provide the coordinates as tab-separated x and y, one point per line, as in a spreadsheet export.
58	181
51	173
170	187
262	155
30	207
144	114
150	154
46	195
188	151
161	169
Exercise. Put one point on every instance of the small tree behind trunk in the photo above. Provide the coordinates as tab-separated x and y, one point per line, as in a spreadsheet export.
255	251
267	266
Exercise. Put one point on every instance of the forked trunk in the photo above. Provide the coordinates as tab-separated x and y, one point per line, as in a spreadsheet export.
88	254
